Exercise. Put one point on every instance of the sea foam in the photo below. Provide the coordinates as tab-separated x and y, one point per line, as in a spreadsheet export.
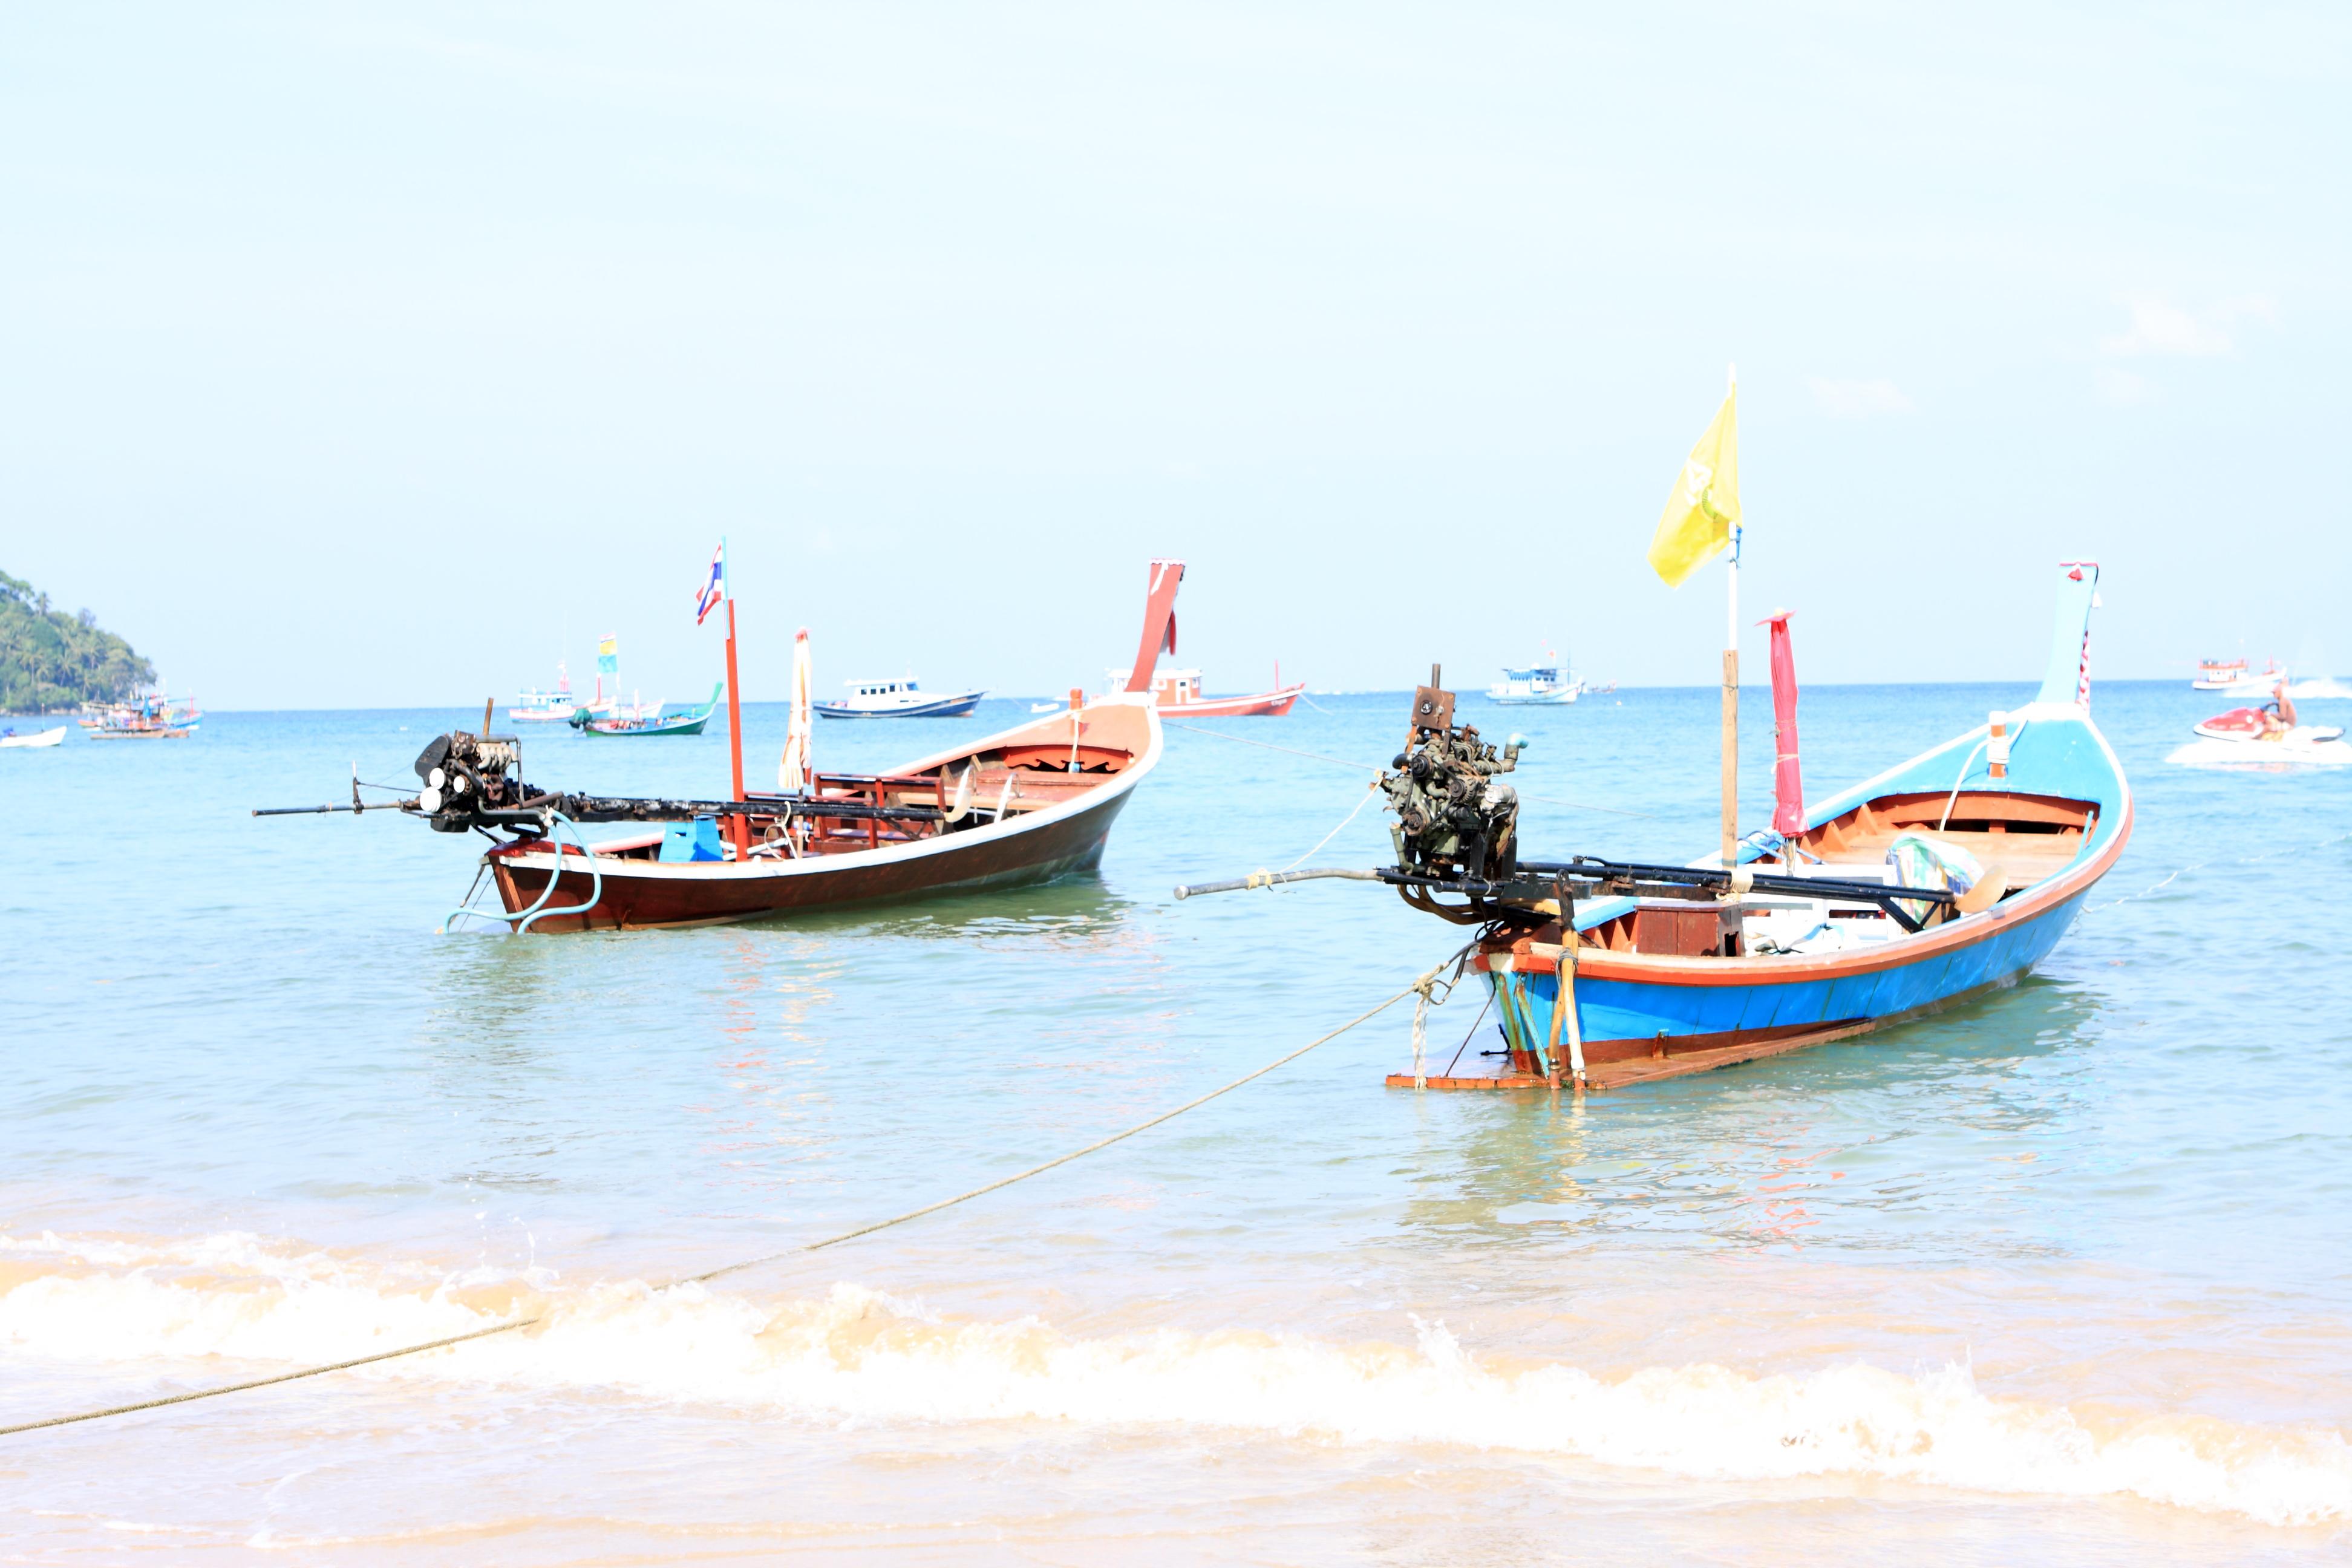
863	1355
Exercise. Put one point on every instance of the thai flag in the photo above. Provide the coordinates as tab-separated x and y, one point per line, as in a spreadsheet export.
714	587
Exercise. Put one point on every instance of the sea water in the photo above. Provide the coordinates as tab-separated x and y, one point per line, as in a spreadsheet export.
2061	1275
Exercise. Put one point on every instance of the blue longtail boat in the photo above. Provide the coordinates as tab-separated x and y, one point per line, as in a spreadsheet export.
1943	876
2014	822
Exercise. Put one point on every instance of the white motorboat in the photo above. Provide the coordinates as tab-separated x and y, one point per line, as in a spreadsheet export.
39	738
902	698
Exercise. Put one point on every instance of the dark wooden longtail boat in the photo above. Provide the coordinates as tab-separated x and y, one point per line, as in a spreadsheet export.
1026	805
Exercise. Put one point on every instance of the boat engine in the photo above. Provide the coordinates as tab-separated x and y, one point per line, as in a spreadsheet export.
465	775
1454	818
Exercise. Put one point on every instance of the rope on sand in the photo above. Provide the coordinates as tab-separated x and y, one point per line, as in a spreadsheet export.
509	1326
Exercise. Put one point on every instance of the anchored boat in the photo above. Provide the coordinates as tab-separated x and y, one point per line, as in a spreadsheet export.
151	716
2232	676
1026	805
1948	874
533	706
903	698
1535	685
1178	695
662	722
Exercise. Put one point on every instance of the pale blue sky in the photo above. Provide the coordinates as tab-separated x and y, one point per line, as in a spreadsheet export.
376	356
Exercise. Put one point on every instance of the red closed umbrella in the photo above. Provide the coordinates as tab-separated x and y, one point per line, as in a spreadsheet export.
1788	780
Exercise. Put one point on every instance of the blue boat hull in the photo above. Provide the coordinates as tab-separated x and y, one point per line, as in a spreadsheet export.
1657	988
945	707
1632	1021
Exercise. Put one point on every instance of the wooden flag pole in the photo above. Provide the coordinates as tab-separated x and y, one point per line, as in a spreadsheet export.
1731	727
740	824
1731	695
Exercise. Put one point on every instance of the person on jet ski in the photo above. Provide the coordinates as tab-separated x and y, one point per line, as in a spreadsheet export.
2278	714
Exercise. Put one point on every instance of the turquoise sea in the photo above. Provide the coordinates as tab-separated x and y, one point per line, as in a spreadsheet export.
2060	1275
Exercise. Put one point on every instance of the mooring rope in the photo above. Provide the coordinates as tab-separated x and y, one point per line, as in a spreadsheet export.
2178	871
1371	768
1369	791
509	1326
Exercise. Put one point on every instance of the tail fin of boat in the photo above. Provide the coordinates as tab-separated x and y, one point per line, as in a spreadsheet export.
2068	679
1159	623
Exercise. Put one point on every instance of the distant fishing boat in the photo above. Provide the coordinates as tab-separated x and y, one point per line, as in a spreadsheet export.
686	722
903	698
556	706
39	739
151	716
1536	685
1178	695
2231	675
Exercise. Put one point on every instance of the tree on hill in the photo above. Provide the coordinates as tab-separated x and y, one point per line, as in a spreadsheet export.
51	659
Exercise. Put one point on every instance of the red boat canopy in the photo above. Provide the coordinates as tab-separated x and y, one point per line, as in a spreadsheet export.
1788	780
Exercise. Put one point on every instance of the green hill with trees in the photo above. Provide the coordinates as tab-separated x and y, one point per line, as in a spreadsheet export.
51	659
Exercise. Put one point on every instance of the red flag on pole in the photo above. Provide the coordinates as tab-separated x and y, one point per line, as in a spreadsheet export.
1788	781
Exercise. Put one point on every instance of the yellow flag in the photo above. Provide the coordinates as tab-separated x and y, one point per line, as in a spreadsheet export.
1696	523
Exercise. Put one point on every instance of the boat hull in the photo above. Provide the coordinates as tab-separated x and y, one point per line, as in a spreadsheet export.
1063	839
954	707
691	725
639	896
1257	705
1622	988
1639	1030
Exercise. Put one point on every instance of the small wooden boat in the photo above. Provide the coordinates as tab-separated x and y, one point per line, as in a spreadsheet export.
1658	987
1946	876
902	698
685	721
37	739
1028	805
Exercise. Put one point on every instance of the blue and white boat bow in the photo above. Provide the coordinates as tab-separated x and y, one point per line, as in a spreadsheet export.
2022	815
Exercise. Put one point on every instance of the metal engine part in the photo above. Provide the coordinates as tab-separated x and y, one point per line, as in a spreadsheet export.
1454	818
464	776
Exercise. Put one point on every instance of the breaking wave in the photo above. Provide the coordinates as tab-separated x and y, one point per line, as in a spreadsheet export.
860	1354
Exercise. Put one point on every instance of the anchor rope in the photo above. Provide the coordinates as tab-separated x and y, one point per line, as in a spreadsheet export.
1370	768
2179	871
1419	986
1369	791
